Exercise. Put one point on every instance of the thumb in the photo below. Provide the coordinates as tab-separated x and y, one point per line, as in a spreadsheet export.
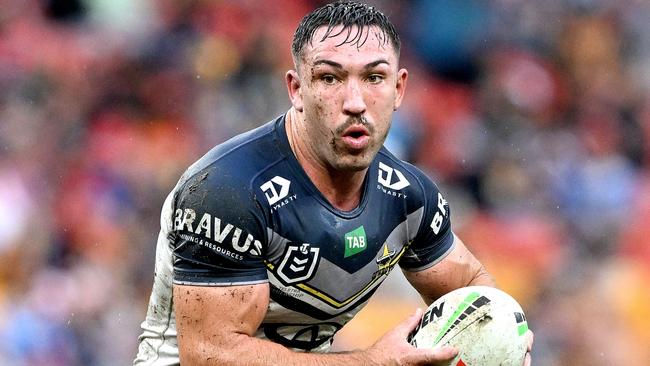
409	324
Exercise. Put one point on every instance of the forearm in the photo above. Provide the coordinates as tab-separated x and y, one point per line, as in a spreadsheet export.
215	329
234	348
245	350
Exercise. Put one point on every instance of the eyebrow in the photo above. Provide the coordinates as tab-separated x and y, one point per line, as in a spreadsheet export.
339	66
376	63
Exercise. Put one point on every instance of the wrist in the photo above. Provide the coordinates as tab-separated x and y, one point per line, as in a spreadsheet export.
370	356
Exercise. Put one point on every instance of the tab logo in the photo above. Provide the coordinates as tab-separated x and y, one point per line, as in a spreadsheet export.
355	242
270	191
386	178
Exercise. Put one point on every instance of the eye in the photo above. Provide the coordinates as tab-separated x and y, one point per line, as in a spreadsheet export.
375	79
328	79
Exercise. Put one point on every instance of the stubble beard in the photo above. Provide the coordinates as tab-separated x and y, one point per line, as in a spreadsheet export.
345	161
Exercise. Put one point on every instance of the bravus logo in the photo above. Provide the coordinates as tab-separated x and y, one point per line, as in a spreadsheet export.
216	231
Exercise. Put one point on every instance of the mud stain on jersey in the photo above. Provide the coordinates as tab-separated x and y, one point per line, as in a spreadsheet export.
195	185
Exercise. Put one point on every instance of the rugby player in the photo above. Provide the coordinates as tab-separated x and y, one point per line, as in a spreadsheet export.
275	239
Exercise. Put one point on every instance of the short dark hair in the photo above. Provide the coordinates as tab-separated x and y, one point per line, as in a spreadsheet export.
348	14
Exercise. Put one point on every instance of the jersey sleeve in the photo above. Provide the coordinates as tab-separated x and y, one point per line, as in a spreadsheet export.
218	232
434	239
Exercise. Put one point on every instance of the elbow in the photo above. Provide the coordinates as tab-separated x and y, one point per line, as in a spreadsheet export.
482	277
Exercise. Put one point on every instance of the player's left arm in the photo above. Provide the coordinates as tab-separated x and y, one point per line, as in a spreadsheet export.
459	268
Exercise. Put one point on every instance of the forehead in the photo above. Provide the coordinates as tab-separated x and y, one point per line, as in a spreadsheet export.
347	45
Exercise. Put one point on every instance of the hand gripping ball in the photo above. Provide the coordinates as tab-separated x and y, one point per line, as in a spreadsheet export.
485	324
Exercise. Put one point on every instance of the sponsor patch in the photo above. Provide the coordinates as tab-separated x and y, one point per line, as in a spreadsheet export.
392	178
355	241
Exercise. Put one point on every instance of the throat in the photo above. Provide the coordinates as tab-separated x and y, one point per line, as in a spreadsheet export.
344	193
343	189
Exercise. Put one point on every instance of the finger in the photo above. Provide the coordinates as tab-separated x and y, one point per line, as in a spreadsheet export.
407	326
437	354
530	337
528	360
446	352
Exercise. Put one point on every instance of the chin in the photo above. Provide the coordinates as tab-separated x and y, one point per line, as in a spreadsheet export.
353	164
356	168
348	161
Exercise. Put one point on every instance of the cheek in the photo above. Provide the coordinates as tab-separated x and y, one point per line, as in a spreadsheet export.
380	100
318	117
318	102
324	110
381	106
387	97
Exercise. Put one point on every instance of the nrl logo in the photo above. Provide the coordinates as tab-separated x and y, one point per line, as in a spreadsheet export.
298	264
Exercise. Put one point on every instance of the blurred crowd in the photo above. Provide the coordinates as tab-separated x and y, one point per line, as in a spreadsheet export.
533	117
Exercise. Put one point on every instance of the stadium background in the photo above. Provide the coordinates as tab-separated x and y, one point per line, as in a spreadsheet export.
534	117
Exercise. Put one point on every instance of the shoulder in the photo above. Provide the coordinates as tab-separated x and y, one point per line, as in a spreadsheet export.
223	185
232	164
215	210
433	238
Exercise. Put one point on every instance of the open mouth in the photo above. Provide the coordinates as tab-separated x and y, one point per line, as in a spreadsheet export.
356	134
356	137
356	131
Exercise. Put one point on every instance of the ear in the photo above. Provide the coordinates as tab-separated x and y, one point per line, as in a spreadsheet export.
293	87
400	87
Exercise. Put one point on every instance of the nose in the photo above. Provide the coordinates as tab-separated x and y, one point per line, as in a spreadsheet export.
353	103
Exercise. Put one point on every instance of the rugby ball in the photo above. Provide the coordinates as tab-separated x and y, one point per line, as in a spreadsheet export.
485	324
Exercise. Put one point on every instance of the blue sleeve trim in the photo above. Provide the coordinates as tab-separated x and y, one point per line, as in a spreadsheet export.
196	278
427	260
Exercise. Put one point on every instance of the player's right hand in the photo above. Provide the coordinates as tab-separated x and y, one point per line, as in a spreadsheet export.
529	340
393	349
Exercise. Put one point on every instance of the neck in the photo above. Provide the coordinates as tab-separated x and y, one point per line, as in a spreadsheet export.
341	188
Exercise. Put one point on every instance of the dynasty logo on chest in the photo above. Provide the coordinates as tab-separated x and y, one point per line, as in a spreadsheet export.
391	181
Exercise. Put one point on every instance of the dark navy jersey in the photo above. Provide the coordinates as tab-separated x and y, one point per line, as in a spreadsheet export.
247	213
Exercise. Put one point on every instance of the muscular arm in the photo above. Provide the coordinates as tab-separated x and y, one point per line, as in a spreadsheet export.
458	269
214	322
216	326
